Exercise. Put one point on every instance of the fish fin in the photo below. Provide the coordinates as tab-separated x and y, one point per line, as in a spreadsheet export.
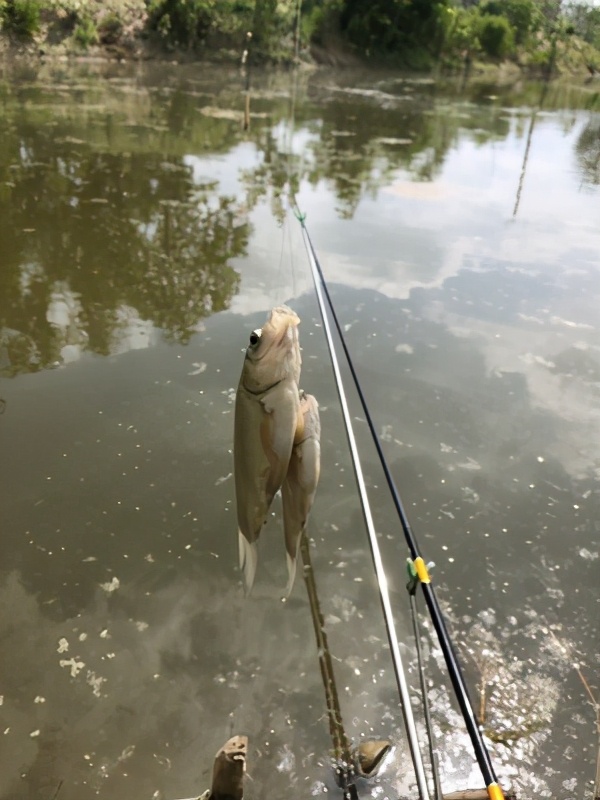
248	561
293	520
311	423
277	438
291	566
299	432
300	485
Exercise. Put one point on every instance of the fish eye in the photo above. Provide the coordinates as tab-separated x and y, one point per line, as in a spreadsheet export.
255	337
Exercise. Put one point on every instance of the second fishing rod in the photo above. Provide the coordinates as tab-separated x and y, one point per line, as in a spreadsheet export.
454	670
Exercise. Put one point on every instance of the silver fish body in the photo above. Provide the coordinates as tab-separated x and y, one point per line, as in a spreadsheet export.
267	408
300	485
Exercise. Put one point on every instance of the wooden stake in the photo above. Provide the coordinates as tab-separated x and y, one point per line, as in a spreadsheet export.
229	769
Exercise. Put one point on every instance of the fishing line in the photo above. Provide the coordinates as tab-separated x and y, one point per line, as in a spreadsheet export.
289	148
292	262
286	143
412	591
409	721
456	676
280	272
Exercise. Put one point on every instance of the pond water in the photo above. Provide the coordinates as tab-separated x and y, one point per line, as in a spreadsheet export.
143	234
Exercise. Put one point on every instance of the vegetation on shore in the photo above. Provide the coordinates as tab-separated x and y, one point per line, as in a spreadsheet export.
535	34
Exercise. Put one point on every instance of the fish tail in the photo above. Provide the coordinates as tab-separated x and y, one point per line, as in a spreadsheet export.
292	561
291	566
248	561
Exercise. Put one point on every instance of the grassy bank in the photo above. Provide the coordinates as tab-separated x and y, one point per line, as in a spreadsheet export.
182	29
532	35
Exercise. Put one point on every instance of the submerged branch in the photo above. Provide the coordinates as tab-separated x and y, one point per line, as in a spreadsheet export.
336	725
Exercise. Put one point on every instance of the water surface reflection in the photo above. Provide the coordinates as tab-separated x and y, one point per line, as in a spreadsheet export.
144	233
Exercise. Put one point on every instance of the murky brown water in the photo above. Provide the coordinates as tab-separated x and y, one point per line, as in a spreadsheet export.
143	234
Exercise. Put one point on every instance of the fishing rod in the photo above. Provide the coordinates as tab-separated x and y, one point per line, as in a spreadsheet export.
409	720
456	676
413	581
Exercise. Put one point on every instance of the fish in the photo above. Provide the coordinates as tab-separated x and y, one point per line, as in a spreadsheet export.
267	416
300	485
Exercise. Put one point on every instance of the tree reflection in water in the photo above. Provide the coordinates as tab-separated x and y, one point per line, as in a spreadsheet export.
107	234
587	151
94	243
119	223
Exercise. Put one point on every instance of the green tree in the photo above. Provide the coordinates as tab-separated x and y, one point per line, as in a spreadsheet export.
184	23
320	18
395	26
462	33
22	17
496	36
520	13
264	23
585	20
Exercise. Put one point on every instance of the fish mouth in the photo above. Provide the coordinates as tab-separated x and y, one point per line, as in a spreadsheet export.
276	354
282	340
282	322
